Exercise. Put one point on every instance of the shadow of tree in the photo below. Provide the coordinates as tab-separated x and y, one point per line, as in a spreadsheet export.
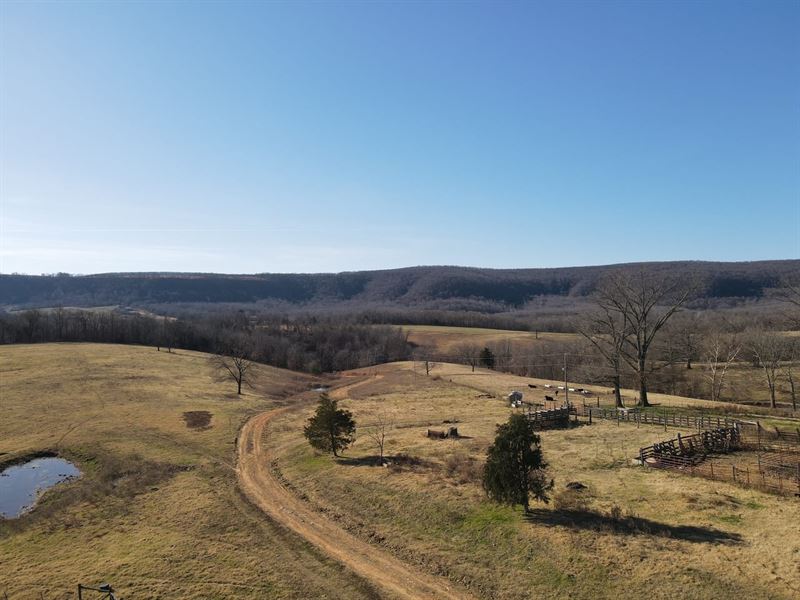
396	462
359	461
630	525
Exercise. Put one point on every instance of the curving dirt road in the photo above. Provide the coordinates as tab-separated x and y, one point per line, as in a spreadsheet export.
391	575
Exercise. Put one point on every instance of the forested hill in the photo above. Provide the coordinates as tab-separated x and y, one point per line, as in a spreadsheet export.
453	288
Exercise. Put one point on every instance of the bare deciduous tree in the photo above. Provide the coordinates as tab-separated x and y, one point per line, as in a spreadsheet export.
719	353
234	363
377	431
605	330
469	354
790	294
789	368
643	303
767	348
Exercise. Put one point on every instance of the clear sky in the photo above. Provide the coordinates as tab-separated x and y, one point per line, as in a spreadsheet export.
329	136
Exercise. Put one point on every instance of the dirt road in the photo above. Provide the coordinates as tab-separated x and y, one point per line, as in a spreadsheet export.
391	575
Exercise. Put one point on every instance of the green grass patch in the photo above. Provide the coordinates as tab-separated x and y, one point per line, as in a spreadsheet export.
311	462
730	519
488	515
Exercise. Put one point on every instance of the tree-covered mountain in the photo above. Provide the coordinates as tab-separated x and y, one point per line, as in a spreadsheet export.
439	287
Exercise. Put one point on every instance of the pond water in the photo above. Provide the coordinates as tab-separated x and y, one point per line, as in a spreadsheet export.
20	485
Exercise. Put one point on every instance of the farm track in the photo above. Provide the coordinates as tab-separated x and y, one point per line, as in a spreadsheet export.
389	574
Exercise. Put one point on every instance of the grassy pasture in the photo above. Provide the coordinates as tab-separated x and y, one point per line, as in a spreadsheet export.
156	512
690	538
744	383
446	340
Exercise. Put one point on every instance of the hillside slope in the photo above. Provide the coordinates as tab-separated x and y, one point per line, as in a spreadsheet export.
426	287
156	512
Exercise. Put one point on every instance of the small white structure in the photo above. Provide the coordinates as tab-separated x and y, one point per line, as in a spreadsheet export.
515	398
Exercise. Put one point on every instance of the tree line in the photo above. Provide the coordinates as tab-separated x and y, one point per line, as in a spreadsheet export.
302	343
637	333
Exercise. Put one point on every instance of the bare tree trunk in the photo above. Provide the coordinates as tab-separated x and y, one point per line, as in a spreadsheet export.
617	393
643	383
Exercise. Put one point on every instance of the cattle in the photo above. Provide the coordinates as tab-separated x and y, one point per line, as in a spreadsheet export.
547	385
530	385
549	398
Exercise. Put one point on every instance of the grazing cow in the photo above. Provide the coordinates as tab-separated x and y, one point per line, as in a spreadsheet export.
547	385
549	398
433	433
530	385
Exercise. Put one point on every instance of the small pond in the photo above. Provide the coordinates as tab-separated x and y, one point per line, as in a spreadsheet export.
20	485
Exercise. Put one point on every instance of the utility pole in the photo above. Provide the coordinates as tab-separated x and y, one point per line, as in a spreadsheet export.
566	386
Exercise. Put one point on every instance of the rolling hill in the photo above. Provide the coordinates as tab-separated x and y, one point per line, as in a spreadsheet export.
435	287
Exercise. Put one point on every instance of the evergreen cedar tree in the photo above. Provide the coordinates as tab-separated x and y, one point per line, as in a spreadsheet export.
330	429
514	467
487	358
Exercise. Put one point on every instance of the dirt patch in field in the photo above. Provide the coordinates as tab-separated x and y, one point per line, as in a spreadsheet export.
197	419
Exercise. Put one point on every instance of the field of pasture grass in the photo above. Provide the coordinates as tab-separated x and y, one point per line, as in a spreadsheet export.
631	533
157	512
446	340
744	383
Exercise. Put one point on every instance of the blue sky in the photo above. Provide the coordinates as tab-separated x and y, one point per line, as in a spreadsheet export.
260	137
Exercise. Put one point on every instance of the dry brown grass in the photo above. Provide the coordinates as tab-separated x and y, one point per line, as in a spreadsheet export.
633	533
446	340
744	383
157	512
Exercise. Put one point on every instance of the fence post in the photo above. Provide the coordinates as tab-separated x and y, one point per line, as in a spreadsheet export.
733	470
711	464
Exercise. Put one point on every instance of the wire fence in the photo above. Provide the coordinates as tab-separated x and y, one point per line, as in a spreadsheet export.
748	456
659	418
